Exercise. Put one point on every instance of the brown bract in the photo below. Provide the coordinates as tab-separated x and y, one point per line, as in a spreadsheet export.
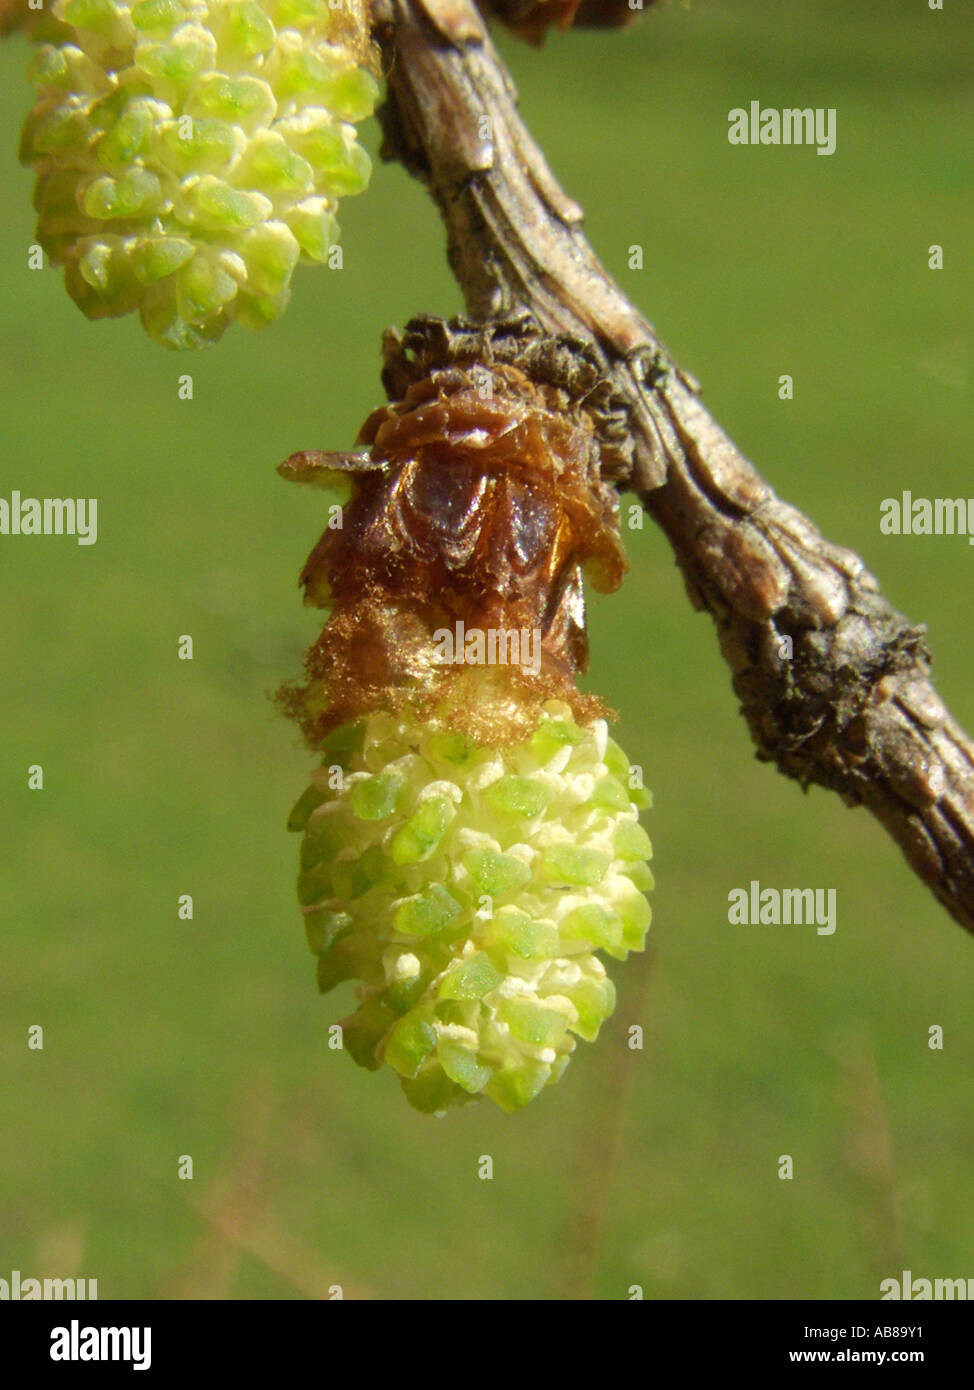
479	503
13	13
531	19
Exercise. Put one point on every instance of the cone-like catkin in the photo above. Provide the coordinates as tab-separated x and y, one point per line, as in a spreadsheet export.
191	152
469	887
471	838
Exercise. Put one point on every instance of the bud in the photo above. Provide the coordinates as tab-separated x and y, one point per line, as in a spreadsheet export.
191	152
481	844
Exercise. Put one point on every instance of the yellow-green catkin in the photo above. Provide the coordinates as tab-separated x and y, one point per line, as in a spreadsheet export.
469	888
190	153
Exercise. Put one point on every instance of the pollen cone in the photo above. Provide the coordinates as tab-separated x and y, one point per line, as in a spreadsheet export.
471	838
190	153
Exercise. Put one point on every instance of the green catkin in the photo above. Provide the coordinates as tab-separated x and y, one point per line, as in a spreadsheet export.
468	888
190	153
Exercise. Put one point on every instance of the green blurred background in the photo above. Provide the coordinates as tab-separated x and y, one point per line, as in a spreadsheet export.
166	1037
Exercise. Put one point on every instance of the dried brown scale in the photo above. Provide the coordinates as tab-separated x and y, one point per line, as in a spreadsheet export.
532	19
480	502
13	13
568	363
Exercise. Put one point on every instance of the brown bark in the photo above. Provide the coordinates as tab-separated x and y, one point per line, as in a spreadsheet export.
833	682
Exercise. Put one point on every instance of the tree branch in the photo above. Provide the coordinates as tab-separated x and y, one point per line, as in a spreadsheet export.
833	682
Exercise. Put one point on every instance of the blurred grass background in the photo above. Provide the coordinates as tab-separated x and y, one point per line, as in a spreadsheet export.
165	1037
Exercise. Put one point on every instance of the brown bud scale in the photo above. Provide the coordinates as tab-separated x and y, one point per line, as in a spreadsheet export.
479	502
